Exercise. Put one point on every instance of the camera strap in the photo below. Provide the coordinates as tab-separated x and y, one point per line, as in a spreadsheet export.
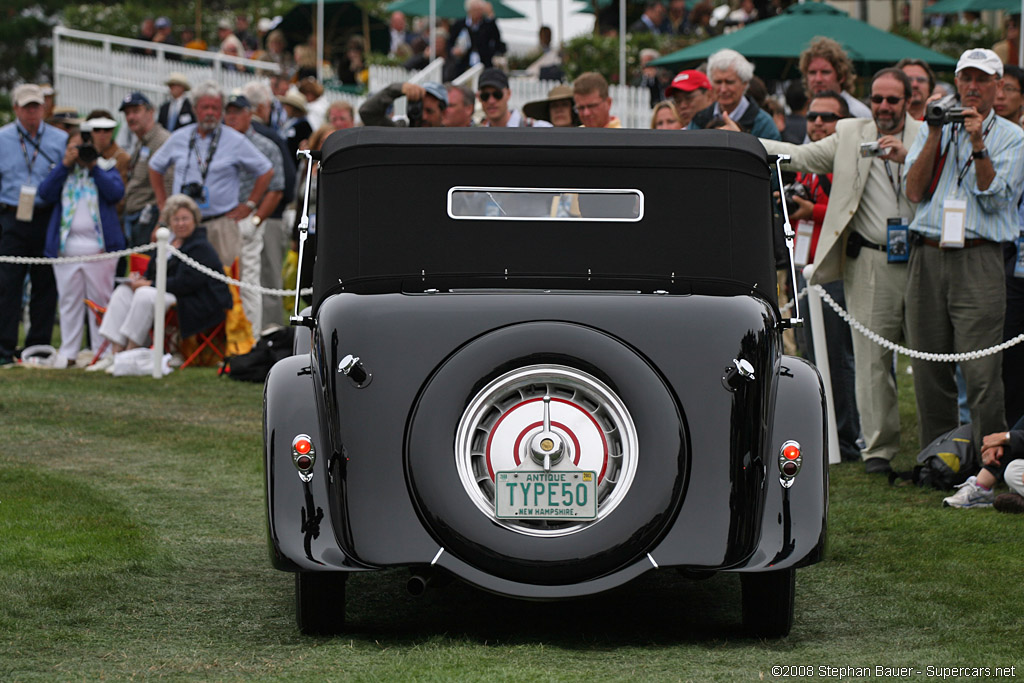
824	184
970	158
204	165
23	136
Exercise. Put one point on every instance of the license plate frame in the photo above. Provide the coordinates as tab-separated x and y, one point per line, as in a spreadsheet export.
557	495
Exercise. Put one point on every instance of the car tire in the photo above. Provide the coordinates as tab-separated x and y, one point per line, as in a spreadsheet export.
320	602
768	599
621	537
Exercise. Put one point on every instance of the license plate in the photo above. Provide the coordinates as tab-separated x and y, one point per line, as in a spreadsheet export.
568	495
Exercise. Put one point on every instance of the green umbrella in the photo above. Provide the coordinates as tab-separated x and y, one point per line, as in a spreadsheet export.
449	9
774	45
951	6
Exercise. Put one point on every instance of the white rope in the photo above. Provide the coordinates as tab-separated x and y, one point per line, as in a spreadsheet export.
191	262
37	261
912	353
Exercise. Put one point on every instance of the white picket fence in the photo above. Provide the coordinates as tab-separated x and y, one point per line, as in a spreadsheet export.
94	70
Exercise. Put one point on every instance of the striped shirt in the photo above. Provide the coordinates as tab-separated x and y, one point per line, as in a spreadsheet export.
991	214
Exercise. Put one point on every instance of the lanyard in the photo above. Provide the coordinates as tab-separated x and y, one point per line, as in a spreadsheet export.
38	150
204	166
956	149
896	184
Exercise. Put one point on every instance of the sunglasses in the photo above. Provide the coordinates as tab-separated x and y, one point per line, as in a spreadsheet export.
486	95
891	99
826	116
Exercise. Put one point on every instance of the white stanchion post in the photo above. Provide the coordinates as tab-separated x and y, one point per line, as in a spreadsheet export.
159	306
820	346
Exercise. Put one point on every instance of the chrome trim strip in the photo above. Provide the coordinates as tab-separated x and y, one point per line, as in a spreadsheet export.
552	190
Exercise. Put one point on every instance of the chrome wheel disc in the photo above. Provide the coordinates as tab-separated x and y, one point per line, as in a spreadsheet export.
591	423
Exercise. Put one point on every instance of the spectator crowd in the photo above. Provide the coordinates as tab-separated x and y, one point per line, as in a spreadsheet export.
909	204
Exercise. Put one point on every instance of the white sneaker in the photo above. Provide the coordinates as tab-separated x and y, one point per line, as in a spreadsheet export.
970	495
101	364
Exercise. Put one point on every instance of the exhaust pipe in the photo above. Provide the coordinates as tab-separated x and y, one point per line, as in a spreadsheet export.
418	583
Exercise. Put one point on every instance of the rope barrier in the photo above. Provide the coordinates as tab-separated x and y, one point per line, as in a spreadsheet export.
840	311
189	261
913	353
37	261
41	261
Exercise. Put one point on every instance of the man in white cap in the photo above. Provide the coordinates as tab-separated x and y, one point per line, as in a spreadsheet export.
967	178
29	149
177	111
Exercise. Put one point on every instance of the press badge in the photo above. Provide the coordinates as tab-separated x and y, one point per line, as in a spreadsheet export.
954	214
1018	269
897	241
26	203
804	233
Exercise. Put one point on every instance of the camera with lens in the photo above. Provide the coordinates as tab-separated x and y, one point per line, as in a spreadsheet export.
946	110
794	190
87	150
414	112
193	190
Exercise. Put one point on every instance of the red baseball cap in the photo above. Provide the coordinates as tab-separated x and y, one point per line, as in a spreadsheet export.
688	81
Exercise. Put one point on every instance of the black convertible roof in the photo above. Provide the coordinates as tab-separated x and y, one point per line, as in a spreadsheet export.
382	215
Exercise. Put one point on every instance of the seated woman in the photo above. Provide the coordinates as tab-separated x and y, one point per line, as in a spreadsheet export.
201	300
84	222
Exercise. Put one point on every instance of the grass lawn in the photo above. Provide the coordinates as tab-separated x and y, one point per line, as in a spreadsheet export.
132	545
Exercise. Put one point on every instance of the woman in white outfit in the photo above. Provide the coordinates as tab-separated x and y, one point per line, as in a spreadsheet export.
201	301
84	190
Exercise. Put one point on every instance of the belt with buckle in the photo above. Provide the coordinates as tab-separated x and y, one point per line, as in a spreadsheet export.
920	239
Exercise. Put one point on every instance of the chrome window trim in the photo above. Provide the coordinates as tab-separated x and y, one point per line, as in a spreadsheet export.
553	190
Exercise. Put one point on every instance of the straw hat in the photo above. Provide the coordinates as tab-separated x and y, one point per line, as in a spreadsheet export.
294	98
540	109
178	78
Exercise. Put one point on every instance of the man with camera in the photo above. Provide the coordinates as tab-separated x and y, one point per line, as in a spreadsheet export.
966	169
29	149
208	159
867	212
425	109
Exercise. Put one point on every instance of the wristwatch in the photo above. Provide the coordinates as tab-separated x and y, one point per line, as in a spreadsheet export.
256	220
252	205
980	154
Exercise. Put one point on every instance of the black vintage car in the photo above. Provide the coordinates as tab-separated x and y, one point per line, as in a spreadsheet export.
544	362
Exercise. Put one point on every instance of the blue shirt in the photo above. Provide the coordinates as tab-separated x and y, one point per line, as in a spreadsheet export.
234	154
17	168
992	213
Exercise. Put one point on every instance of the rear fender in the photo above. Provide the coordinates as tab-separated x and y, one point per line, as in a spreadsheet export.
300	528
794	520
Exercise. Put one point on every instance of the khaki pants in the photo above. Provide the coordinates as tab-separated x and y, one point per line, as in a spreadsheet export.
956	302
277	239
225	238
250	266
875	291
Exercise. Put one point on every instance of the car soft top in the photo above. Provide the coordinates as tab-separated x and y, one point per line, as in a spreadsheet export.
706	222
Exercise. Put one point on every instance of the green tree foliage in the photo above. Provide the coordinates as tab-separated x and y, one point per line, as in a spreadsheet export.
601	53
26	48
951	39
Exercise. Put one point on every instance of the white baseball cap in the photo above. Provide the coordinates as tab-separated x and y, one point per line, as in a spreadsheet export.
981	59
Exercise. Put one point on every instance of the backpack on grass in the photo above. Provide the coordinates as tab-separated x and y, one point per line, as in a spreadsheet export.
946	462
254	366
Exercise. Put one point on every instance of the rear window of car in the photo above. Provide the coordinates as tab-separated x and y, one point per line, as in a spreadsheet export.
545	204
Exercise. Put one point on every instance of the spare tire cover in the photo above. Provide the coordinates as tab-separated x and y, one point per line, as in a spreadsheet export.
589	550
